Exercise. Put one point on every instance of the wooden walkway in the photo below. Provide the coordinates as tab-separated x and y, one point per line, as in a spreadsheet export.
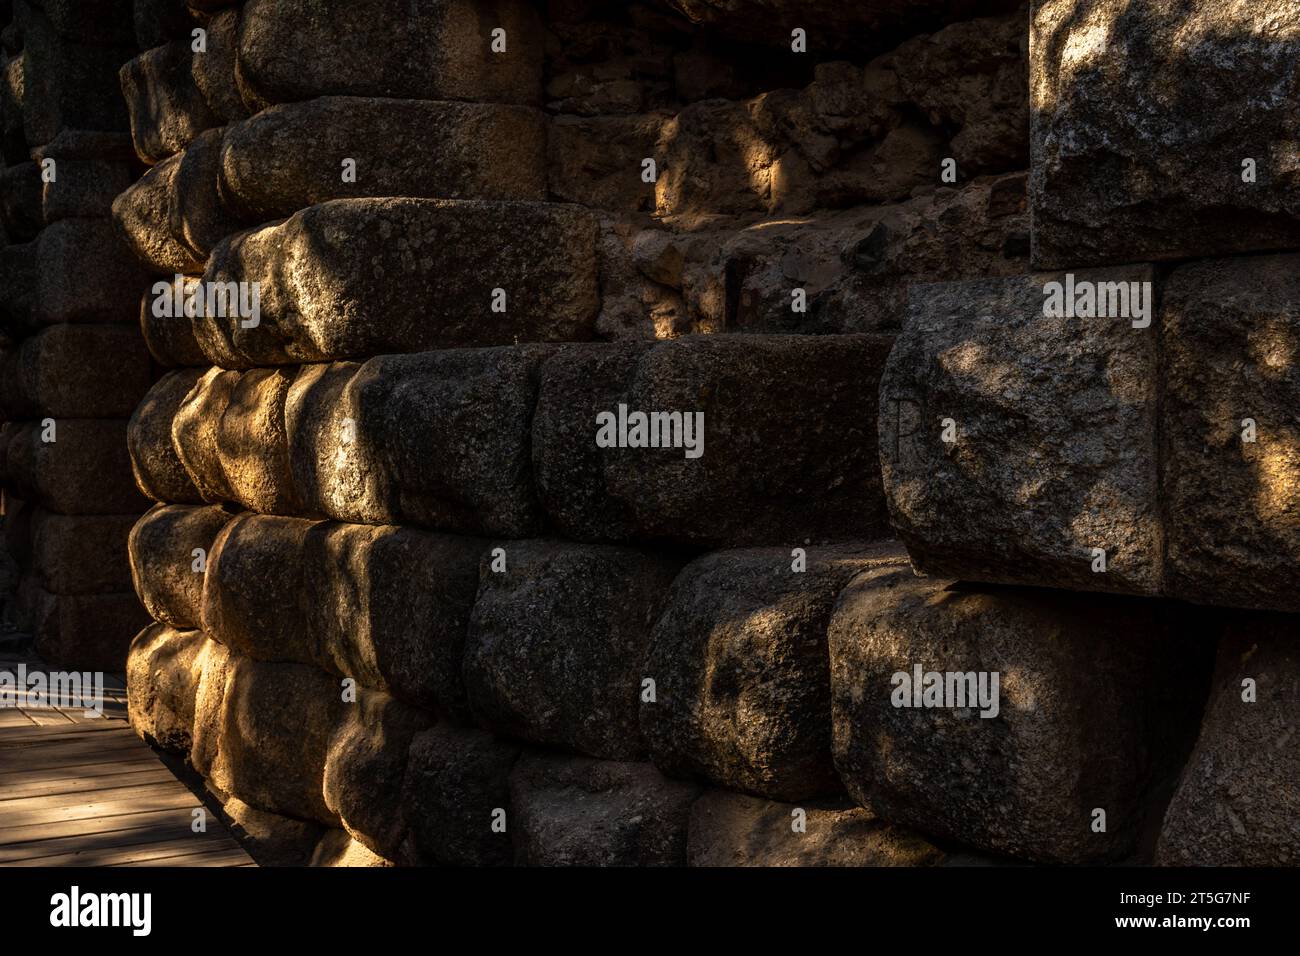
86	791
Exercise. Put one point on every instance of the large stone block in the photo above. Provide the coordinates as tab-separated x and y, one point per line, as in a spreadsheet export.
86	631
290	157
786	452
741	670
81	554
365	766
731	829
353	278
198	216
159	472
252	445
68	84
456	780
216	670
1237	803
1144	116
170	338
214	69
253	589
275	728
195	428
1053	424
390	607
580	812
76	371
557	644
294	50
360	440
1096	702
167	109
143	215
169	548
1230	450
85	273
162	674
18	265
84	470
20	201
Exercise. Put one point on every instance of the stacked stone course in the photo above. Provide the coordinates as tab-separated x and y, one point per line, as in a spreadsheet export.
72	366
410	610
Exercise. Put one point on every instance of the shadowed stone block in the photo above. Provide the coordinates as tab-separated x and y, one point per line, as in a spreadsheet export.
1237	803
289	157
294	50
76	371
1097	701
1231	335
365	766
731	829
86	631
787	451
1054	424
362	440
456	779
1142	118
81	554
85	273
85	470
143	216
352	278
739	660
167	110
557	643
573	811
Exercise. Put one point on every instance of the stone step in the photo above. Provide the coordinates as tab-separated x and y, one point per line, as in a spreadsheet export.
1097	701
1078	436
353	278
75	371
85	470
292	50
289	157
1141	131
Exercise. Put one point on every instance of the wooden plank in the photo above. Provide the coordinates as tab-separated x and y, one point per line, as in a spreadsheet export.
45	718
117	762
85	783
12	717
12	838
13	809
150	799
61	750
138	853
68	728
162	831
236	857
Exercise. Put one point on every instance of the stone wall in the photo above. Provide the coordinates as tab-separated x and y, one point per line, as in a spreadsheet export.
426	591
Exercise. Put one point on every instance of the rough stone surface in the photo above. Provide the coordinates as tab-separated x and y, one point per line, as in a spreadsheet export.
85	631
75	371
557	642
293	50
167	110
85	470
167	574
162	672
214	70
143	214
741	669
196	427
1237	804
360	440
456	779
359	277
789	450
1098	700
159	472
1230	353
275	727
1142	117
81	554
269	838
337	848
1055	426
390	606
197	215
289	157
573	811
85	273
365	766
731	829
